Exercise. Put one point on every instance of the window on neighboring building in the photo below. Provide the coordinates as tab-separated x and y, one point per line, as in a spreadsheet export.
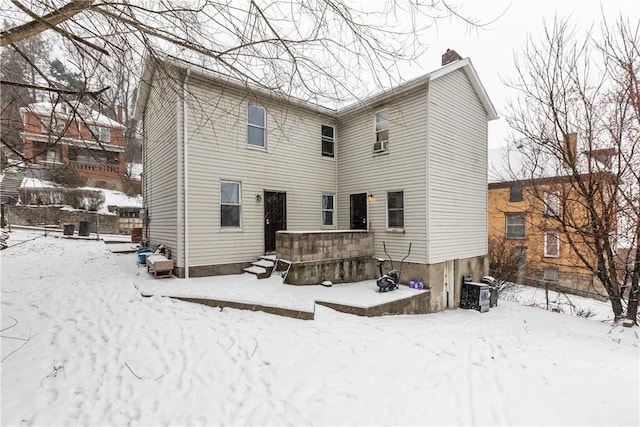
552	203
382	131
327	141
515	226
552	244
327	209
53	126
395	209
230	204
100	133
515	193
256	119
550	274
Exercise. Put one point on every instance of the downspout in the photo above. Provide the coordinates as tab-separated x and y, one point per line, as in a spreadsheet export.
185	160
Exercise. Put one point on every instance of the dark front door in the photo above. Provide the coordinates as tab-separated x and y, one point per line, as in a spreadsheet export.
358	209
275	217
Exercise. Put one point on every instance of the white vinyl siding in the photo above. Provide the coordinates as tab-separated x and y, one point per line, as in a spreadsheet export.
217	151
404	167
457	168
161	165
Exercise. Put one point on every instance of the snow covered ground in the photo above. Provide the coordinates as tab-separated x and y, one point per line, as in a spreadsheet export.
81	346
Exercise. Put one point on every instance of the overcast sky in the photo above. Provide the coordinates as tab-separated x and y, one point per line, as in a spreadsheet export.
491	51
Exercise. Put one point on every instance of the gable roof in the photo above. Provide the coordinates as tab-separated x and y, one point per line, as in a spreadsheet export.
66	111
464	64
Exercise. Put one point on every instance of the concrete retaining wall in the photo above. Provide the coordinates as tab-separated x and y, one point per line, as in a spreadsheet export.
40	215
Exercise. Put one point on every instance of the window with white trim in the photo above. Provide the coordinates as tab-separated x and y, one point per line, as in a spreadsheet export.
327	209
328	140
515	226
552	203
395	209
382	132
53	126
552	244
100	133
230	204
256	126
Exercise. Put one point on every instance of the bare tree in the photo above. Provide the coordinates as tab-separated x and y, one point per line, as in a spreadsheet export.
577	118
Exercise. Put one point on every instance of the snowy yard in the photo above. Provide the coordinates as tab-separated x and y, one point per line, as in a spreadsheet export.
81	346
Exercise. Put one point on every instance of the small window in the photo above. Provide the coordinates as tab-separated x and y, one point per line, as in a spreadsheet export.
327	209
552	203
395	209
230	204
327	141
53	126
100	133
551	274
515	226
551	244
256	126
382	131
515	193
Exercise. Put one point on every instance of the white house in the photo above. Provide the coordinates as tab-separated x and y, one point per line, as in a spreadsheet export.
226	166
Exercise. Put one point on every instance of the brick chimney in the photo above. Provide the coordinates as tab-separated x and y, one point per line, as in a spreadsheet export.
450	56
119	113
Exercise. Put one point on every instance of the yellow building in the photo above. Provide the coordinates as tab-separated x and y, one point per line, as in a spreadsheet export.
535	221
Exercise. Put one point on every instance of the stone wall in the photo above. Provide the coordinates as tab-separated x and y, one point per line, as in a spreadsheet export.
336	256
38	216
586	285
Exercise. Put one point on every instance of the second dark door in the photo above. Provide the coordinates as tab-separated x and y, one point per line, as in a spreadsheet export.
358	211
275	217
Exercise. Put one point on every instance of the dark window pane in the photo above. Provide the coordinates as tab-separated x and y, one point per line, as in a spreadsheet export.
515	194
327	148
230	216
382	135
327	217
327	202
396	218
515	227
395	200
327	132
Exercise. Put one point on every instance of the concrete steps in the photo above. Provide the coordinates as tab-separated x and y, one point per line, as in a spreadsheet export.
10	187
263	267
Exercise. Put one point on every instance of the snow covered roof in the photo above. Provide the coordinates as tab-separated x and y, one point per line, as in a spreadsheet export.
65	111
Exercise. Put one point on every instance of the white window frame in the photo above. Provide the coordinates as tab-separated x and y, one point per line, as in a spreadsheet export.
556	235
395	227
552	203
384	143
52	126
101	133
506	226
238	204
253	125
332	210
324	139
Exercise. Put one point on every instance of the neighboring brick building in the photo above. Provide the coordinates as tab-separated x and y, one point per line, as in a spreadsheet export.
83	139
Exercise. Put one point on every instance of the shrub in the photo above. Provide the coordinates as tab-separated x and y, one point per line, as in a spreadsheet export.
65	176
93	199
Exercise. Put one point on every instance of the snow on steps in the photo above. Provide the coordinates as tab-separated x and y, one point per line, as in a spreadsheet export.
263	267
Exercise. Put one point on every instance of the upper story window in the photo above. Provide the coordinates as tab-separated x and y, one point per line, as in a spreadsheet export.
515	193
327	209
552	244
256	125
53	126
382	132
100	133
552	203
328	141
395	209
230	205
515	226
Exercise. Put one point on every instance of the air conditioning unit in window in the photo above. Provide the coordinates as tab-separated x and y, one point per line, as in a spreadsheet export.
380	146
